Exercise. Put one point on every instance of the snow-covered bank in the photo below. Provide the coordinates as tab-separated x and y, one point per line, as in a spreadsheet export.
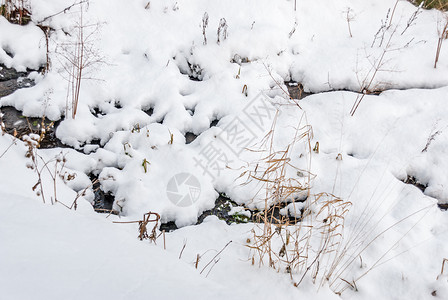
157	72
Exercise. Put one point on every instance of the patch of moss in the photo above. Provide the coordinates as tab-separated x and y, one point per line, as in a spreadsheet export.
239	218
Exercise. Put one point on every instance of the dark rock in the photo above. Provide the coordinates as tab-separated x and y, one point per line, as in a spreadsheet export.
19	125
415	182
97	112
149	111
11	80
295	90
214	123
10	73
10	86
443	206
167	227
422	187
190	137
103	202
223	205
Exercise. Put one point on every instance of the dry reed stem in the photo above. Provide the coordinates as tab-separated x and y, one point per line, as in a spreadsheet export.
142	226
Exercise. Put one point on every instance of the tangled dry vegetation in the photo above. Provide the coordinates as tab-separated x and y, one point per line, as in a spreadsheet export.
437	4
304	234
306	239
16	11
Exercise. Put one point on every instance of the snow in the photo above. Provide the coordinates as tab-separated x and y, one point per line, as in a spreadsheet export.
152	79
53	253
24	45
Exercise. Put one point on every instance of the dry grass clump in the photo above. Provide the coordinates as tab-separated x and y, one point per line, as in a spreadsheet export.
442	32
281	241
16	11
310	239
150	217
307	242
437	4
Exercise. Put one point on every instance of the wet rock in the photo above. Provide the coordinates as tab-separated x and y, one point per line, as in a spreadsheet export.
15	123
11	80
223	206
422	187
415	182
167	227
295	90
214	123
149	111
190	137
18	125
230	212
7	74
97	112
443	206
10	86
103	202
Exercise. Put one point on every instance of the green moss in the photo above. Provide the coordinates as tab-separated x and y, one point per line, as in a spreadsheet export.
239	218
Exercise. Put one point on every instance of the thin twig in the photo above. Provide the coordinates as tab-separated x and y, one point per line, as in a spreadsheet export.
215	256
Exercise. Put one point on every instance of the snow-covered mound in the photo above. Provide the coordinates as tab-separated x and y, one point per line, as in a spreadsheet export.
151	75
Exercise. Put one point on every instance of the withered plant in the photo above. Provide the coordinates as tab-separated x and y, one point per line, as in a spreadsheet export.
278	187
313	235
382	45
55	168
16	11
3	132
222	30
437	4
204	27
44	25
150	217
442	32
79	58
349	17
